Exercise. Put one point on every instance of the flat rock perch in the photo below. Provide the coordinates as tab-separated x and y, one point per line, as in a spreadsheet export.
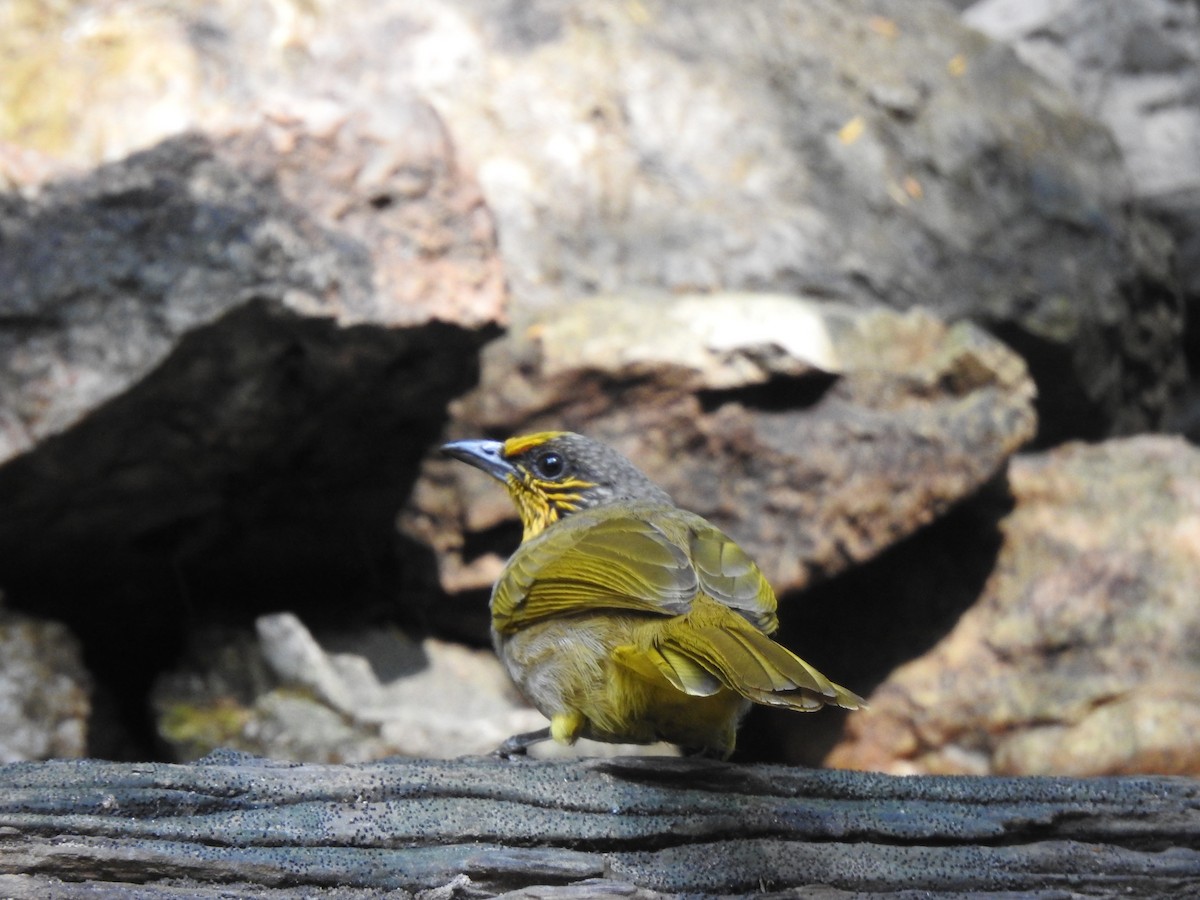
240	826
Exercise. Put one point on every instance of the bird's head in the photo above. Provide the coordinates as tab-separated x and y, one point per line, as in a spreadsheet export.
552	474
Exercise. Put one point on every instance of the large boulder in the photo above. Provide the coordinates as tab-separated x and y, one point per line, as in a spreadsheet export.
44	690
1079	656
818	434
856	150
842	148
224	359
1135	66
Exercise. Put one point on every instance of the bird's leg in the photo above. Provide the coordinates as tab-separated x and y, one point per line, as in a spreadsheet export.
519	744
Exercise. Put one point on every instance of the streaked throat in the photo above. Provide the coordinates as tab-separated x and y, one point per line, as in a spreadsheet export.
542	503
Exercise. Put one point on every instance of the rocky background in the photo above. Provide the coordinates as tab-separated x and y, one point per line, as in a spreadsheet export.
897	293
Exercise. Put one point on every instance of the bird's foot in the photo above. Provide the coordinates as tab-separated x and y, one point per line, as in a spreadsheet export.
519	744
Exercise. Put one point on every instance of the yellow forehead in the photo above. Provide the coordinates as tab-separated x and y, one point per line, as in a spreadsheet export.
515	446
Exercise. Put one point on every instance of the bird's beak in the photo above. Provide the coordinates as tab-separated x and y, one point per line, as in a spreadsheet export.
485	455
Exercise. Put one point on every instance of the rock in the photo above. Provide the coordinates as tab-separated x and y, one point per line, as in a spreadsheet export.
286	696
858	150
22	166
175	239
44	691
1079	656
223	360
1135	66
230	352
815	433
845	149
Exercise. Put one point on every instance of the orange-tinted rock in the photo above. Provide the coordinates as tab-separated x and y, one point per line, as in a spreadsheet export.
816	434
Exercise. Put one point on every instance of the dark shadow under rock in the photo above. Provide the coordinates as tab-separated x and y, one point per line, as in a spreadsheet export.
860	626
258	468
226	364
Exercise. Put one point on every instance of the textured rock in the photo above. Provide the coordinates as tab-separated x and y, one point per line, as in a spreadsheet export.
223	360
846	149
687	828
286	696
1134	65
815	433
44	702
22	166
358	225
1080	655
229	354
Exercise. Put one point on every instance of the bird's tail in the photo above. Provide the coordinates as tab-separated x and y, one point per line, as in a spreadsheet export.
701	659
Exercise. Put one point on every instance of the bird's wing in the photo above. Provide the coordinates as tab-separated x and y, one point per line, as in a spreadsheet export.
729	576
586	564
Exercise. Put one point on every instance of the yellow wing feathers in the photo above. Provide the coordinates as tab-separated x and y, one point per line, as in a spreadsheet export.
715	648
729	576
589	563
708	608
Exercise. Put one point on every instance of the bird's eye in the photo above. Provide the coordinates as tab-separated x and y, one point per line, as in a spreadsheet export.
549	465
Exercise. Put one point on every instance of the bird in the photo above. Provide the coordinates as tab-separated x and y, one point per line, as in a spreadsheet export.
625	619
